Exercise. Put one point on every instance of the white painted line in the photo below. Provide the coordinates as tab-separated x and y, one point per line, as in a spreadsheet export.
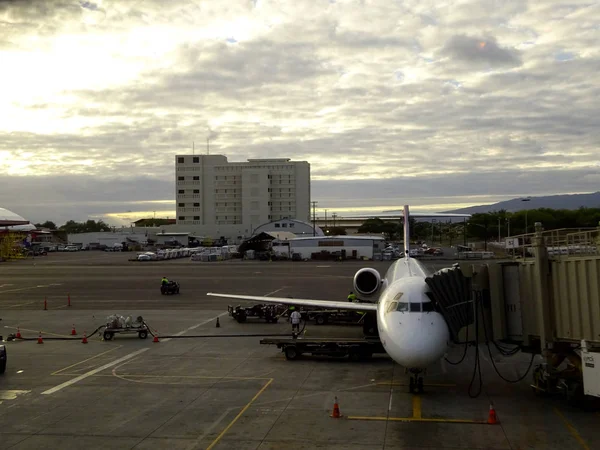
276	290
323	266
93	372
194	327
22	304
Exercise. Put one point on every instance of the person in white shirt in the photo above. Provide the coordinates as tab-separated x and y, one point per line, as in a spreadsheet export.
295	317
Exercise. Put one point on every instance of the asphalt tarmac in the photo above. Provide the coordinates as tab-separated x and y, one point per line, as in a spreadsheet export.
233	392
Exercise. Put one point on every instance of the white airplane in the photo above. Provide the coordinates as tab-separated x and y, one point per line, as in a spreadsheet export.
412	333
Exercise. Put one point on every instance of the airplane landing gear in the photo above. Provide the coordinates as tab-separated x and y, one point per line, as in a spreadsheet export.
416	382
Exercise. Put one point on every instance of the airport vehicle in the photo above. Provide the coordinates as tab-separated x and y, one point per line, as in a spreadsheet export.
120	325
355	349
171	288
270	313
3	358
412	332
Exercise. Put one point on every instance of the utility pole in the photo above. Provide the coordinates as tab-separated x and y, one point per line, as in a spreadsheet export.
334	215
314	205
326	218
499	236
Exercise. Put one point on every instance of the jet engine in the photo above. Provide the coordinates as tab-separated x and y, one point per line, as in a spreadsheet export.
367	281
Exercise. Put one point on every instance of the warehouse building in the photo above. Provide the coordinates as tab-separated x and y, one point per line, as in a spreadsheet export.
298	227
333	247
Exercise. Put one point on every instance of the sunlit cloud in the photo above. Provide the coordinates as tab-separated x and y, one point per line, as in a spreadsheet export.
371	94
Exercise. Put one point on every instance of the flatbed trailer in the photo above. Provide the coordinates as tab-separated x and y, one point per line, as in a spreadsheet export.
355	348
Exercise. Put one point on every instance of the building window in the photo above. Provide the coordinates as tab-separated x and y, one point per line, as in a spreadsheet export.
181	217
181	178
196	178
181	205
196	159
277	225
196	204
291	225
181	191
196	217
196	191
180	160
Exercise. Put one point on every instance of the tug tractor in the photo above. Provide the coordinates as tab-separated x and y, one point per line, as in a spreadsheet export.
171	288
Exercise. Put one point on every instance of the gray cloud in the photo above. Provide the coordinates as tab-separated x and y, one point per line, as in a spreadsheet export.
484	52
308	81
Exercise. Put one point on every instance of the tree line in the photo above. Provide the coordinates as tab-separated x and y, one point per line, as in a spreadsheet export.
485	226
481	226
73	227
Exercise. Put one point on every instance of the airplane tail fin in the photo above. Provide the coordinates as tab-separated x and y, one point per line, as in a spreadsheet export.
406	232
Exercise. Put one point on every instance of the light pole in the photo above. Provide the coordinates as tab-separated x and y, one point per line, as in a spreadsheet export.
527	199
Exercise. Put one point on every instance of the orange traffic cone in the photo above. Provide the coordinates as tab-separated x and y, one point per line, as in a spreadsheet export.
84	340
73	332
336	410
40	340
155	338
18	335
492	417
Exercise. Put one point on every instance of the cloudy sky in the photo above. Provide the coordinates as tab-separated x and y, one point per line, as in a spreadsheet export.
439	104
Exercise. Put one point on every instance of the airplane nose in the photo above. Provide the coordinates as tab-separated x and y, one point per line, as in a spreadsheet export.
417	340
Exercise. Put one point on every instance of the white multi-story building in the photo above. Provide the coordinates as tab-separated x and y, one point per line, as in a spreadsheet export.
218	197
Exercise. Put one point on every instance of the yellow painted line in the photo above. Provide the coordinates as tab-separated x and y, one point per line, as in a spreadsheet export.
29	288
258	394
413	419
191	377
572	430
387	383
84	361
416	401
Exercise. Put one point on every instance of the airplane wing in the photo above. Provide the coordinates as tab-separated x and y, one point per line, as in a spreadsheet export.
302	302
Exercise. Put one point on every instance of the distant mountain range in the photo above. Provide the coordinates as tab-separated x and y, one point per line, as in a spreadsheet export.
572	201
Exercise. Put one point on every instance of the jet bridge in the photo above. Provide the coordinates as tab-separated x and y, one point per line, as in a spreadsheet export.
548	304
453	297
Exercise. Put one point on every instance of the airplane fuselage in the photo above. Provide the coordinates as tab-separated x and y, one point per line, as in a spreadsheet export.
412	333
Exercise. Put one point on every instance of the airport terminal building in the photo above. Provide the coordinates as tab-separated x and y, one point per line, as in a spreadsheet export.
215	197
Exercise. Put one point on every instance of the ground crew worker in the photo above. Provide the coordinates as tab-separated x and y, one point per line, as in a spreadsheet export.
295	317
164	281
351	297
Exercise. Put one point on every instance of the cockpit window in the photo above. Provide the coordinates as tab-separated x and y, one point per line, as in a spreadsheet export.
428	307
403	306
415	307
391	307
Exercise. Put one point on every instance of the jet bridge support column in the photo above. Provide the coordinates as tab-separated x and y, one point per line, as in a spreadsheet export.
542	291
